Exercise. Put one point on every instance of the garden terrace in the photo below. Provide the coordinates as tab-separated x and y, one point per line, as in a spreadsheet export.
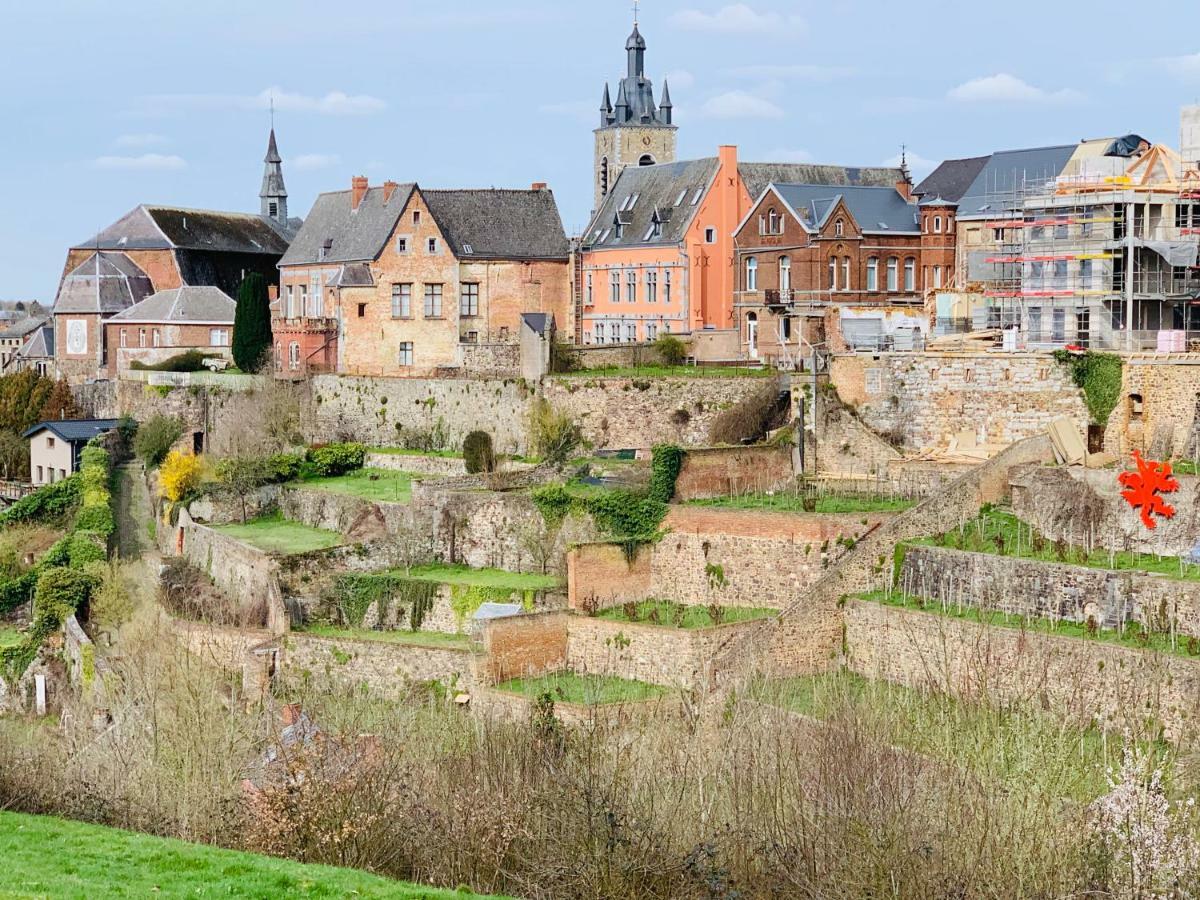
280	536
429	639
669	614
113	863
794	501
583	690
377	485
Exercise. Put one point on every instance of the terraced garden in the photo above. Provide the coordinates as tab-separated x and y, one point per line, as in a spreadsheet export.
380	485
670	614
585	690
275	534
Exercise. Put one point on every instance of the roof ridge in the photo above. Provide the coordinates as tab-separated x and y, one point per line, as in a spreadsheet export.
194	209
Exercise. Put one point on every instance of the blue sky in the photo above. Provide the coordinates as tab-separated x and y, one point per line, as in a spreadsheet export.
110	105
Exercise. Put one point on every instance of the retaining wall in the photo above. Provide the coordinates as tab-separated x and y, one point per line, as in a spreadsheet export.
728	471
387	670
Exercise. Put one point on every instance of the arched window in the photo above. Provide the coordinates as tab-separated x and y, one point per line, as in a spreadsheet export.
839	228
631	285
294	355
873	273
785	273
614	288
772	221
752	274
833	273
893	274
845	273
937	224
910	274
646	160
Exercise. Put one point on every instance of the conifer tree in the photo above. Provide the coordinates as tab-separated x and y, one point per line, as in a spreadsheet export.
60	404
252	324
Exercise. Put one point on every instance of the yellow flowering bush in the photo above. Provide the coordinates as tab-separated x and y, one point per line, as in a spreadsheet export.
180	475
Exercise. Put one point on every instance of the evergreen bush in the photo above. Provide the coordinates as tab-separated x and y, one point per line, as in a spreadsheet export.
252	324
154	438
478	453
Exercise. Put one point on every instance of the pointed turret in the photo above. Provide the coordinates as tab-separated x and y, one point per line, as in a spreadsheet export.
273	196
622	107
606	108
635	47
666	106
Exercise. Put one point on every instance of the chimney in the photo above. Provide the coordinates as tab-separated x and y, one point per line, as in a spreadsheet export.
904	189
290	714
538	186
389	188
358	190
727	154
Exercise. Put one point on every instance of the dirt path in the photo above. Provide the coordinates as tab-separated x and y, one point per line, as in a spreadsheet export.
135	521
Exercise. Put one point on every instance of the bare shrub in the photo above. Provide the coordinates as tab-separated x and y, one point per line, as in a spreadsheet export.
751	419
187	593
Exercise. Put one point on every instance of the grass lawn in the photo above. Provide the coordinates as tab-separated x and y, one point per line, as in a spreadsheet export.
1000	532
783	501
9	637
1031	751
401	451
492	578
588	690
674	615
1131	636
671	372
368	484
415	638
48	857
275	534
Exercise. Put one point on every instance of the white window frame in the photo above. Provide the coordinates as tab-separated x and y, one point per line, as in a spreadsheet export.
910	273
652	286
785	273
872	273
631	285
893	274
402	300
433	294
752	274
404	354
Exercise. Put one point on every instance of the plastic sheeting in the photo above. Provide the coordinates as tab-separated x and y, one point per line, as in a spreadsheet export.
1176	253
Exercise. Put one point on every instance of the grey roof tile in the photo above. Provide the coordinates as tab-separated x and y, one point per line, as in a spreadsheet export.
182	305
757	176
666	187
23	327
149	227
951	179
1008	169
354	235
499	224
873	208
75	429
103	283
40	344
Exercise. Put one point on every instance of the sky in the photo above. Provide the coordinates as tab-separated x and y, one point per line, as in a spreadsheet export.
108	105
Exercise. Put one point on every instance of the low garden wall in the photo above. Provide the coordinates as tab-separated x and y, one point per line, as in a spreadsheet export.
237	569
607	575
1087	680
387	670
354	518
1084	507
225	648
438	466
523	645
727	471
1053	591
441	616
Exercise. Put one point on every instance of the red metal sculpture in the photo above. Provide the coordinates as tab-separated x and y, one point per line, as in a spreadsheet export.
1142	489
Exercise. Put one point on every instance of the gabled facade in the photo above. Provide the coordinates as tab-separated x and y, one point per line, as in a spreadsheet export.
397	281
168	323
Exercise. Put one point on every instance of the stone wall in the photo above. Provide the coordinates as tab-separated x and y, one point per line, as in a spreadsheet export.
632	413
441	618
727	471
436	466
1051	590
673	657
1085	680
604	574
1164	423
224	648
387	670
237	569
490	360
1084	507
510	707
523	645
844	444
922	399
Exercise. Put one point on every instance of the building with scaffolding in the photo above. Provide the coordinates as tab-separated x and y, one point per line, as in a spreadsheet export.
1101	254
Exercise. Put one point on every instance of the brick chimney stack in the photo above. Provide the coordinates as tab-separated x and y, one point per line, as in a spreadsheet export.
358	190
389	188
538	186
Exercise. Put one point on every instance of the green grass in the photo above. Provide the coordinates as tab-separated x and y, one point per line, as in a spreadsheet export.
783	501
9	637
1031	752
433	639
675	615
48	857
275	534
1132	635
671	372
402	451
1000	532
493	578
367	484
586	690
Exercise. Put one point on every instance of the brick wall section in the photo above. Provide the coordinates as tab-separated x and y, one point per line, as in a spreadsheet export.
1077	678
925	398
1170	393
603	574
387	670
524	645
806	636
1053	500
1051	590
673	657
724	471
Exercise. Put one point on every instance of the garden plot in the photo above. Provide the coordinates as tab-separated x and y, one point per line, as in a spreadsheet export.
280	536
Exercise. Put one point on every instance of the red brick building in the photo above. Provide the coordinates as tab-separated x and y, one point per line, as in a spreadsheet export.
168	323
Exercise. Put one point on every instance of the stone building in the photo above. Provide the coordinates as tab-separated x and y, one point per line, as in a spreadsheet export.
37	353
168	323
15	336
819	263
396	280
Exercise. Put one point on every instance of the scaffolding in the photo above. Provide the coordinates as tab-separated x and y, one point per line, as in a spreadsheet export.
1103	256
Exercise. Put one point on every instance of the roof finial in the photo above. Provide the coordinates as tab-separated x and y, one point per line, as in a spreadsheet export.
635	12
272	101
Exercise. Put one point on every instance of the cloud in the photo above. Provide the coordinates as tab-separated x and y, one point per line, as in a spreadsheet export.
737	18
680	78
792	72
332	103
739	105
1182	66
308	161
140	140
1005	88
147	162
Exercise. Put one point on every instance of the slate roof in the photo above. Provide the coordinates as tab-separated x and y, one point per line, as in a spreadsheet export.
40	344
148	227
950	180
539	323
354	235
74	430
756	176
103	283
183	305
23	327
875	209
499	224
1007	169
353	275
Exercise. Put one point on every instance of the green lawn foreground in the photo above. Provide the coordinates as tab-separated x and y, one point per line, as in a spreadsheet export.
41	856
382	485
275	534
586	690
670	614
428	639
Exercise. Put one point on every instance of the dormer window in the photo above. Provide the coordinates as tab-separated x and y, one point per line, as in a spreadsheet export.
682	196
619	226
696	196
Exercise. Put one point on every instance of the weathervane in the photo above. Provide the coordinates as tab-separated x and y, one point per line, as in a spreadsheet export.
635	11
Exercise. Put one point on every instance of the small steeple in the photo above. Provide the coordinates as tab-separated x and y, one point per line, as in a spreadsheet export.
635	47
273	196
606	108
622	107
666	106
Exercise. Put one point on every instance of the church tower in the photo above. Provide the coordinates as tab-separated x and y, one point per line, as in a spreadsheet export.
273	195
634	132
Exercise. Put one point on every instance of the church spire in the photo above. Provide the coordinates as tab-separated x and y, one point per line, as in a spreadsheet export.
606	108
273	196
666	106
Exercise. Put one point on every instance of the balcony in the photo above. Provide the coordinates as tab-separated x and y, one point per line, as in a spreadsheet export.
309	324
